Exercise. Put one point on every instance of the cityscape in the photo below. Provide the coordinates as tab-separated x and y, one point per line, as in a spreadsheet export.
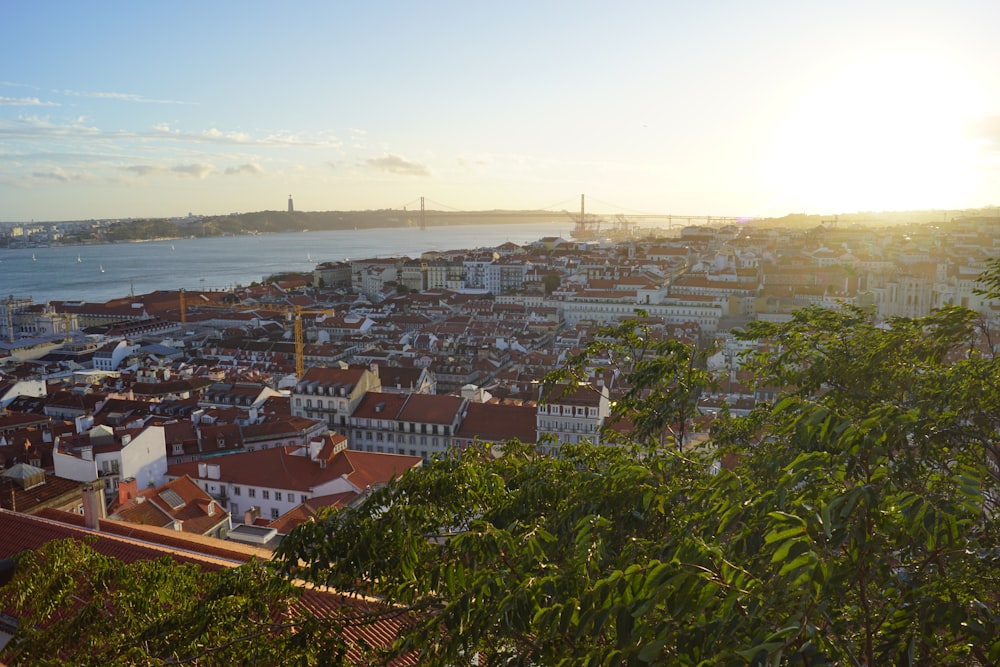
241	414
311	352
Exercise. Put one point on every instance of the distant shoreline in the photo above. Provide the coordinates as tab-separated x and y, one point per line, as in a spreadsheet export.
157	239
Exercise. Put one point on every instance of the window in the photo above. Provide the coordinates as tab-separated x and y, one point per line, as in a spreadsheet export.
237	491
303	497
274	513
234	508
277	495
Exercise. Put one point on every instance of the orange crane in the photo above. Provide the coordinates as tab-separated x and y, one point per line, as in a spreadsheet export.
295	313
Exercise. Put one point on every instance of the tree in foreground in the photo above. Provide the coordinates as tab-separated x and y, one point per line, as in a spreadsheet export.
857	525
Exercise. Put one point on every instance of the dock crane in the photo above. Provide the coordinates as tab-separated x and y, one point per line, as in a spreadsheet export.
588	228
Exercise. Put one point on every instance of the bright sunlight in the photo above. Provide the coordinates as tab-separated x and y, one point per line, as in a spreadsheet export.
887	134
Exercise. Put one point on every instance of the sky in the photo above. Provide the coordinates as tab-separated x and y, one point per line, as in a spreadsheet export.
755	108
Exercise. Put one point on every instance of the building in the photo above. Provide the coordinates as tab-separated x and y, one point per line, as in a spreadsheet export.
179	505
496	423
273	481
29	489
571	414
139	453
332	394
427	423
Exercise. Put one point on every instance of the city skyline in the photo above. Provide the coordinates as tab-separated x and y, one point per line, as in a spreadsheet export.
158	110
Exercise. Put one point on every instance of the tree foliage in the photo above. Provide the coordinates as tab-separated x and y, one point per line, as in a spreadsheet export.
856	524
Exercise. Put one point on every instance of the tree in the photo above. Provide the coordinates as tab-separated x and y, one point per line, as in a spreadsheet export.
77	606
662	379
856	525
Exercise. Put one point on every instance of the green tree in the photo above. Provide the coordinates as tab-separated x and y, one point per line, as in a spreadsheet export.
76	606
856	524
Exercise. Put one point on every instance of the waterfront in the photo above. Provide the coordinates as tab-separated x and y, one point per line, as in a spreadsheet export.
101	272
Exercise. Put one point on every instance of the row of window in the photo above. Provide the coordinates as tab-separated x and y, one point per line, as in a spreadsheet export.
568	410
552	426
424	454
266	494
234	510
319	403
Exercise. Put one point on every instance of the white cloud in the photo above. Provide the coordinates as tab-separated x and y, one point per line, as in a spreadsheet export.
395	164
120	97
25	102
196	170
248	168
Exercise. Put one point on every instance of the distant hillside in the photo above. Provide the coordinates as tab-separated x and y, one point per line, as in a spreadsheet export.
282	221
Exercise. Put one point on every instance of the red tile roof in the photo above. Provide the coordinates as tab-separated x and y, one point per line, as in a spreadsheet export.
430	409
495	422
23	532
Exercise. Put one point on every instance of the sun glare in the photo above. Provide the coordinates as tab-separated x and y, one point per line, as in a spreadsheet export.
885	135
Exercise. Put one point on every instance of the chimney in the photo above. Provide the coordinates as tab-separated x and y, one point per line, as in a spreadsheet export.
251	515
93	504
128	489
315	447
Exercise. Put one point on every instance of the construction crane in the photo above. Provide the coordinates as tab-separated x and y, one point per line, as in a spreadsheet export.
294	313
184	319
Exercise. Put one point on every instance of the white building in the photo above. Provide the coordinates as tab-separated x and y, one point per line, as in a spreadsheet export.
571	414
110	457
274	481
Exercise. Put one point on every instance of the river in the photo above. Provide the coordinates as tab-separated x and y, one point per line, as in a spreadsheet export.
97	273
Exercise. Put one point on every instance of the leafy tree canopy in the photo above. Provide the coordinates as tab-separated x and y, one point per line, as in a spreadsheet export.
855	522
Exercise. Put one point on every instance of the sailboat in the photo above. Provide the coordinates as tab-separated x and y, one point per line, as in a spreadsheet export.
102	268
172	246
78	259
33	258
309	257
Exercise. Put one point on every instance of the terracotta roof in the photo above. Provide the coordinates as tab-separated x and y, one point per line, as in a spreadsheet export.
23	532
345	376
14	497
495	422
379	405
365	469
280	468
430	409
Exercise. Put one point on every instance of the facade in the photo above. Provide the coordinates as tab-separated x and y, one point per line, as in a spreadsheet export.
332	394
271	482
427	423
110	356
571	414
179	504
413	424
137	453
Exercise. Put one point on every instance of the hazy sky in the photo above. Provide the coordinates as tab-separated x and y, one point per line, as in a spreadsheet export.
760	107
